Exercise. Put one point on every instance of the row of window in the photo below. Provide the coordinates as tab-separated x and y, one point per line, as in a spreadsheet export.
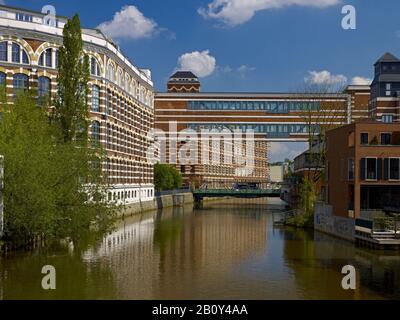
387	118
24	17
269	106
269	129
126	195
48	58
372	168
21	82
386	138
18	54
125	82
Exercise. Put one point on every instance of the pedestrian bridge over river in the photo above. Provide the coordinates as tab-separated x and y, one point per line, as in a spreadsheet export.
199	194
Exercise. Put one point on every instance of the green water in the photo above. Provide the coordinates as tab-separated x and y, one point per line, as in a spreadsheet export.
224	250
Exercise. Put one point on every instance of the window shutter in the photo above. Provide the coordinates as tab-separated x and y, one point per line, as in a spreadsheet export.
386	169
379	166
363	166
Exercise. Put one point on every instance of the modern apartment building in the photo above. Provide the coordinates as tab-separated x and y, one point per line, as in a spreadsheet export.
363	168
385	90
121	95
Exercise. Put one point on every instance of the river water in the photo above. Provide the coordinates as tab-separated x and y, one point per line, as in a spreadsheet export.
227	249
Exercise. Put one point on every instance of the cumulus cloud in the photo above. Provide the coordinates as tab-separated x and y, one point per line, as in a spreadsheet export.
235	12
129	23
202	64
361	81
324	77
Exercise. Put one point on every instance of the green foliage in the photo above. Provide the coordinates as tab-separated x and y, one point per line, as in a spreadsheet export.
53	180
307	196
304	220
50	189
166	177
374	141
29	156
71	105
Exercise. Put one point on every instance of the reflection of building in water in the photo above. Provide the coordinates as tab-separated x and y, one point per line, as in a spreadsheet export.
129	253
181	250
213	245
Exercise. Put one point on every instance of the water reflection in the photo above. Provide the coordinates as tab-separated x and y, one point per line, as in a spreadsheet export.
226	249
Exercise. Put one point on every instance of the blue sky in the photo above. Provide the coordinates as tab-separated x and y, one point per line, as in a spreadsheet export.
239	45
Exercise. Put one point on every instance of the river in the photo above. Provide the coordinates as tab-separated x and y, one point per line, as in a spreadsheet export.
227	249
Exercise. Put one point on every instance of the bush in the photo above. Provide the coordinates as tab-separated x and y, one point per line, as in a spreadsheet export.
50	189
166	177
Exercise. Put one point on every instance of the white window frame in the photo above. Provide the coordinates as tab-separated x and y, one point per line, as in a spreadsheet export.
389	178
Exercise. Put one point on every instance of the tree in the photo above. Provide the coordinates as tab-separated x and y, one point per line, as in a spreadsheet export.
320	117
71	106
54	182
30	160
82	189
44	194
166	177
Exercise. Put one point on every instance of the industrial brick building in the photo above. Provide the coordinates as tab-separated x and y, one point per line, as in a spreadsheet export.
273	117
121	95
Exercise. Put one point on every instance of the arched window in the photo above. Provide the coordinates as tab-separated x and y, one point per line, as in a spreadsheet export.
94	67
15	53
111	73
95	132
18	55
127	82
44	87
20	82
120	78
46	58
4	51
95	98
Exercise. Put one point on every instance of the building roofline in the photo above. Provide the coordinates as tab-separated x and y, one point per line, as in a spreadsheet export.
354	87
248	95
7	7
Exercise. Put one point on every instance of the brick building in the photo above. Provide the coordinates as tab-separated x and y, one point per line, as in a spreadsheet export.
121	95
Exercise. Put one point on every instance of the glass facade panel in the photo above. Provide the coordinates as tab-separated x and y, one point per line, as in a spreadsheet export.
268	106
271	130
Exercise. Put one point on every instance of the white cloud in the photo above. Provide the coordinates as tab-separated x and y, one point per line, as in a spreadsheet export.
325	78
202	64
243	69
235	12
361	81
129	23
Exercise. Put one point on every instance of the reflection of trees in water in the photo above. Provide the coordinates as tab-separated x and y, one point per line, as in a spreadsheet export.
316	268
21	276
317	262
380	271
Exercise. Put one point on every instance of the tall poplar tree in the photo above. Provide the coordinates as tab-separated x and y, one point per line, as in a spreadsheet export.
71	105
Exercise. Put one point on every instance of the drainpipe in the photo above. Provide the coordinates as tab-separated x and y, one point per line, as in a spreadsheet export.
349	110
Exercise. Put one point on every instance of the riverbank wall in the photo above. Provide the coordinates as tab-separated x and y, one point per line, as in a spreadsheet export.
159	202
325	221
